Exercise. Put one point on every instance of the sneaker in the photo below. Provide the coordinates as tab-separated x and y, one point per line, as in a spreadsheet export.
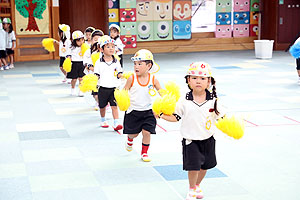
80	94
104	124
69	81
73	92
6	67
128	147
11	66
191	195
64	80
118	127
145	157
1	68
199	193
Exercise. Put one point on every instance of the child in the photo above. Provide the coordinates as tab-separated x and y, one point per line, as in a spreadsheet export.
87	60
109	71
64	46
198	111
77	61
114	31
11	41
88	35
139	116
3	39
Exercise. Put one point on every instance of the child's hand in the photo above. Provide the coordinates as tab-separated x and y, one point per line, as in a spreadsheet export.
91	68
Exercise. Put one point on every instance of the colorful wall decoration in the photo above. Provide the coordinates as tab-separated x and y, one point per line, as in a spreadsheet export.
32	17
128	23
182	14
241	18
223	19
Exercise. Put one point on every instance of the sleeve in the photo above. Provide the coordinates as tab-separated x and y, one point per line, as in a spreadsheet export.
97	68
87	60
119	68
13	36
120	46
179	110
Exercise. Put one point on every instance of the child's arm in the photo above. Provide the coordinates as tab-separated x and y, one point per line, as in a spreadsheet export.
170	118
129	83
157	85
14	45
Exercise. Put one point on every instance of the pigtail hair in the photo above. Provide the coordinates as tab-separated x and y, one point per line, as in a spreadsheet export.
94	47
213	82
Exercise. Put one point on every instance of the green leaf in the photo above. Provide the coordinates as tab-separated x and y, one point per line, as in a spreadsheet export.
20	6
40	8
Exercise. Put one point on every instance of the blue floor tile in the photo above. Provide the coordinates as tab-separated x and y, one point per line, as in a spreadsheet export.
175	172
46	75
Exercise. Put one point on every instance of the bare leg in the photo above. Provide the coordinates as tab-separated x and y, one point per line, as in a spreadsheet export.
201	175
146	137
102	112
193	176
73	83
115	112
298	72
4	61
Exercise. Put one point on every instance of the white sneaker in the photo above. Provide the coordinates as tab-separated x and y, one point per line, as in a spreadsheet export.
73	92
64	80
104	124
1	68
145	157
11	66
6	67
199	193
80	94
191	195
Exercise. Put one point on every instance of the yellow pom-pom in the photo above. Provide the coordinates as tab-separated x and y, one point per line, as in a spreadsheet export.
48	44
122	98
231	126
117	57
165	104
156	106
89	83
163	92
126	75
67	65
84	47
95	57
168	104
173	88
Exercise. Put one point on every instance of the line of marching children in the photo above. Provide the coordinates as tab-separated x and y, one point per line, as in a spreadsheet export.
197	110
7	44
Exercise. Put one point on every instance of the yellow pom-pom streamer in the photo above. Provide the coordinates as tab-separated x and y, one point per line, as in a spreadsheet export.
126	75
122	98
165	104
231	126
95	57
84	47
67	65
156	106
173	88
89	83
117	57
48	44
163	92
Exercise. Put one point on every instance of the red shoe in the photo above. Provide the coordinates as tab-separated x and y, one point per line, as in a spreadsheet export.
119	127
104	124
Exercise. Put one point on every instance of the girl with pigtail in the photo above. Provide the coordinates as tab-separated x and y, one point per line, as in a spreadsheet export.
198	111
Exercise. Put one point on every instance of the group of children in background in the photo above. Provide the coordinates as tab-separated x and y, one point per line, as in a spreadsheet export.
7	44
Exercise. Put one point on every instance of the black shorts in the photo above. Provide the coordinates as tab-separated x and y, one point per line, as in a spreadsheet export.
135	121
199	154
298	63
2	54
10	52
61	61
76	71
94	93
105	96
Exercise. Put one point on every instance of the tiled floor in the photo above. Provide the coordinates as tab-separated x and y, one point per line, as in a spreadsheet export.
52	147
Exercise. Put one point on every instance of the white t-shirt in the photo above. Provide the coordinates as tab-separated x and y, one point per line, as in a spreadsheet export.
64	49
10	38
108	72
3	38
119	46
76	54
197	120
87	59
140	99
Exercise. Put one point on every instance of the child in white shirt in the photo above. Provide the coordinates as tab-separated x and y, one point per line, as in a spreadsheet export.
114	32
11	41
